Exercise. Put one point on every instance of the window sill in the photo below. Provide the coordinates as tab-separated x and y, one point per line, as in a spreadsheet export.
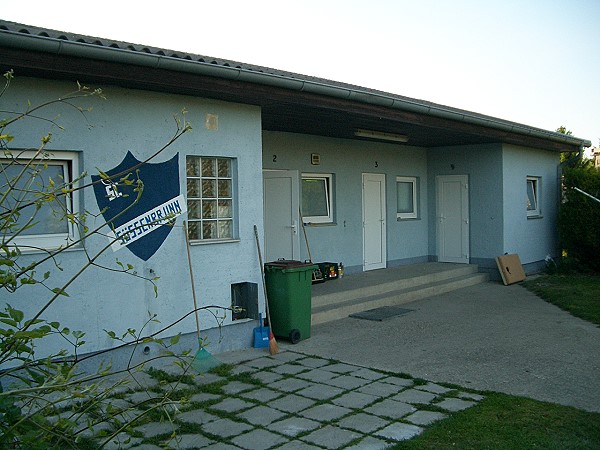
536	216
405	219
214	241
46	251
320	224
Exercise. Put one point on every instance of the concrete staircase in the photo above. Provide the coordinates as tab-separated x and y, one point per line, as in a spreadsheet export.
336	299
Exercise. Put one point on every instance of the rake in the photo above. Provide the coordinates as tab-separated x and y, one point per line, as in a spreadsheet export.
203	361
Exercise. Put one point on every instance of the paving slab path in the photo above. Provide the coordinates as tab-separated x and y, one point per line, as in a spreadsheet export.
360	384
345	406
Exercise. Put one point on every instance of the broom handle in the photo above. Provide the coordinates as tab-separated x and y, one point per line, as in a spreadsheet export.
187	246
262	271
305	237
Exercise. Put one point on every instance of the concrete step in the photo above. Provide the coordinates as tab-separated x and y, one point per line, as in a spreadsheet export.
387	281
328	312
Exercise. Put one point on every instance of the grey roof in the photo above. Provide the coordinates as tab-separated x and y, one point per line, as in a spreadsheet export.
60	42
189	57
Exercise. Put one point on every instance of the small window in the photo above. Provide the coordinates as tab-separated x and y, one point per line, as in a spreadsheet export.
317	198
44	225
406	191
210	198
533	196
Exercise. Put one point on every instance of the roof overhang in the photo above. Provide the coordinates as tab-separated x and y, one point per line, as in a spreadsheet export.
289	102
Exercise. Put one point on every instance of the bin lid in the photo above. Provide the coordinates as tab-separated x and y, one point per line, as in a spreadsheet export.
289	264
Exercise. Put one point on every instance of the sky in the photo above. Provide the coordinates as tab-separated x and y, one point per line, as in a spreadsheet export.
536	62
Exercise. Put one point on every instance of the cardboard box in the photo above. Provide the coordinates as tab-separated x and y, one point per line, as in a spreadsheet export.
510	268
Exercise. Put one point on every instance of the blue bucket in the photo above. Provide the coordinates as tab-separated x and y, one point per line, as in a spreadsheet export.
261	334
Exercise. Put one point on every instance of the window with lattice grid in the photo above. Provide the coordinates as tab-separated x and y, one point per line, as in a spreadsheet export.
210	198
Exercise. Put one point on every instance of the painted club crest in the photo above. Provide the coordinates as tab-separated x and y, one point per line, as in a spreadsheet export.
143	225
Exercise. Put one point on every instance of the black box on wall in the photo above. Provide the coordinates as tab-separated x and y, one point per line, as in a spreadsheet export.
244	301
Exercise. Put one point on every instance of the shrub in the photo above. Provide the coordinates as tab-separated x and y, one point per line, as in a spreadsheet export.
579	217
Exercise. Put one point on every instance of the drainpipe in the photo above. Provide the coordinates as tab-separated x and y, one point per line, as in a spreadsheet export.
568	163
574	159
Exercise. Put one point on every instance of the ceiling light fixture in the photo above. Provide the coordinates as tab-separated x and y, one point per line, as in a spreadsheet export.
381	135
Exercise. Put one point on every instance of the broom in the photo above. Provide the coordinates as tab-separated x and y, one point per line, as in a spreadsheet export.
203	361
273	347
305	237
317	275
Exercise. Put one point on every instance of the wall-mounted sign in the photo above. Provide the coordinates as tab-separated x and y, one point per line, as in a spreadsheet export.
143	224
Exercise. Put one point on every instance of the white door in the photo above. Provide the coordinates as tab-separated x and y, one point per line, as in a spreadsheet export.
453	218
374	226
281	214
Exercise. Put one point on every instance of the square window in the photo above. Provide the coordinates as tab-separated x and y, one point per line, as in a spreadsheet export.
406	191
533	197
317	198
210	198
27	178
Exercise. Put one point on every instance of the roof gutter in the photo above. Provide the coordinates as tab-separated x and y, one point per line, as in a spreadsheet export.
92	51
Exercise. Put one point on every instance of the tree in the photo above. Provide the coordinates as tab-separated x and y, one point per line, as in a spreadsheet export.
34	387
572	157
563	130
565	156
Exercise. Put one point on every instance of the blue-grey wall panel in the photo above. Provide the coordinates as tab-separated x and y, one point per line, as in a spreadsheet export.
142	122
347	160
532	238
483	165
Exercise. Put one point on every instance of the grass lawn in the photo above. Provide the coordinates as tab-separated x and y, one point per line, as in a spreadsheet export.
577	294
508	422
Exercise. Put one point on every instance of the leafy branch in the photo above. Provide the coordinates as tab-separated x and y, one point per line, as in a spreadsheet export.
35	387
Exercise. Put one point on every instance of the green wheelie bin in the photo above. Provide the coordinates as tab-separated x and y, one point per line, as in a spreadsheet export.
289	294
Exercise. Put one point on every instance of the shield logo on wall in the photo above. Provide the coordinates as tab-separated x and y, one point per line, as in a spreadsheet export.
140	221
